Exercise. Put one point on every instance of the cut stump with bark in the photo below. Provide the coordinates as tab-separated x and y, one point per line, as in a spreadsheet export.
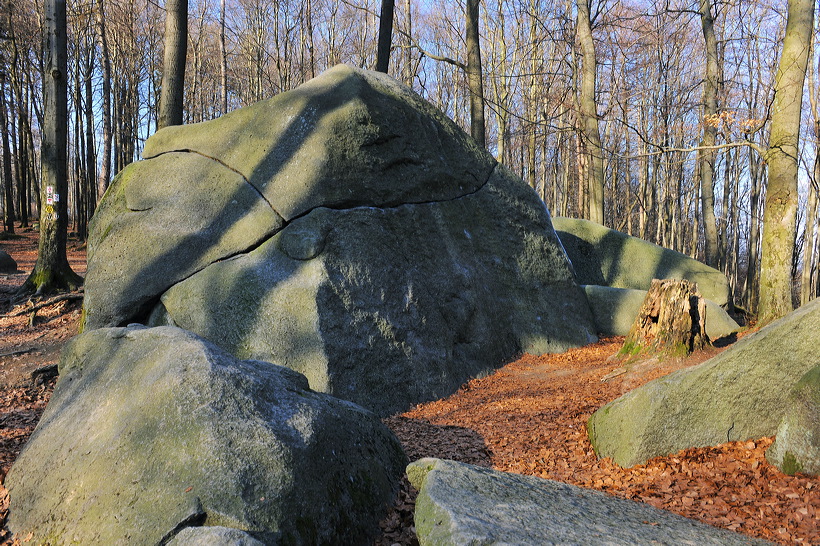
671	321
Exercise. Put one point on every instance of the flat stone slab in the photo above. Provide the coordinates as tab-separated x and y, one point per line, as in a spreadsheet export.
461	504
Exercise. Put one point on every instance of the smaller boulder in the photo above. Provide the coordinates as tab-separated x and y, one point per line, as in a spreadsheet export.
460	503
797	446
153	430
7	263
615	309
737	395
608	257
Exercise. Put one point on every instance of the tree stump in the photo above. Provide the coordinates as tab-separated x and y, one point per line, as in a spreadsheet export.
672	321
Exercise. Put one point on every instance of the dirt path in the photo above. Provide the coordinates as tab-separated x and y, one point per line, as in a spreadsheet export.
529	417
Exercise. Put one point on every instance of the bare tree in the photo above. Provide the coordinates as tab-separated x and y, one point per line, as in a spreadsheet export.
475	80
707	153
780	213
52	272
173	68
590	135
385	36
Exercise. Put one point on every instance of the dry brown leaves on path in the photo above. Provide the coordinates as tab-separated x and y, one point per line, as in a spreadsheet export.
530	418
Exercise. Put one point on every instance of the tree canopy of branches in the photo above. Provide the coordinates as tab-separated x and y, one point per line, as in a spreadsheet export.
682	93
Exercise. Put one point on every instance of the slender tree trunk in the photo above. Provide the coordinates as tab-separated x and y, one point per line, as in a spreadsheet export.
105	162
810	232
750	290
223	62
173	67
385	36
475	79
780	213
52	272
8	182
590	133
706	157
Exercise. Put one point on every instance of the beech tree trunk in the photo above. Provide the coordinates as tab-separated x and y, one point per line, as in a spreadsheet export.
52	272
780	212
385	36
590	131
706	155
173	68
672	320
475	80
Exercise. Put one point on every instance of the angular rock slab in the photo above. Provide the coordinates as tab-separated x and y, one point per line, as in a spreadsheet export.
153	430
607	257
213	536
797	445
615	310
161	221
741	393
460	504
7	263
390	307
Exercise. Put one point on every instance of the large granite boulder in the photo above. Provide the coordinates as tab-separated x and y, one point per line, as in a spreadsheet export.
615	309
741	393
392	261
608	257
797	445
463	504
150	431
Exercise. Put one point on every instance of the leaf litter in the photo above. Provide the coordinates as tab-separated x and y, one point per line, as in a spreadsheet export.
530	418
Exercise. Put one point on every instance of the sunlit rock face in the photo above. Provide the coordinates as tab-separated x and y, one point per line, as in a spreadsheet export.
347	230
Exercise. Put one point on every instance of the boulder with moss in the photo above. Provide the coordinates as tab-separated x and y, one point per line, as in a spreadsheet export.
797	445
151	431
392	260
608	257
742	393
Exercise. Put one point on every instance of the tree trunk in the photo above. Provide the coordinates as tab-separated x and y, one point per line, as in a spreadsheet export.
706	158
590	133
780	213
173	67
8	182
474	77
52	272
671	321
105	163
385	36
223	62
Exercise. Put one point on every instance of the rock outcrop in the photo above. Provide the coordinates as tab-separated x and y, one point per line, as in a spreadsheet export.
346	229
464	504
797	445
608	257
7	263
151	431
741	393
615	310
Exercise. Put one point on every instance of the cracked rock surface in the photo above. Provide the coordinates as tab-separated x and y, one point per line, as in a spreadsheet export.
153	430
347	230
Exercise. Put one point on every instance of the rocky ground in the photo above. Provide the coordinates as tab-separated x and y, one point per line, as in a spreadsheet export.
529	418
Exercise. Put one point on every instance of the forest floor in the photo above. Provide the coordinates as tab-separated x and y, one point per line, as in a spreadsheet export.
529	417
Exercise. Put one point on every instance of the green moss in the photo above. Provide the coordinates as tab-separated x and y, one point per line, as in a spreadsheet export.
630	348
83	315
791	465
